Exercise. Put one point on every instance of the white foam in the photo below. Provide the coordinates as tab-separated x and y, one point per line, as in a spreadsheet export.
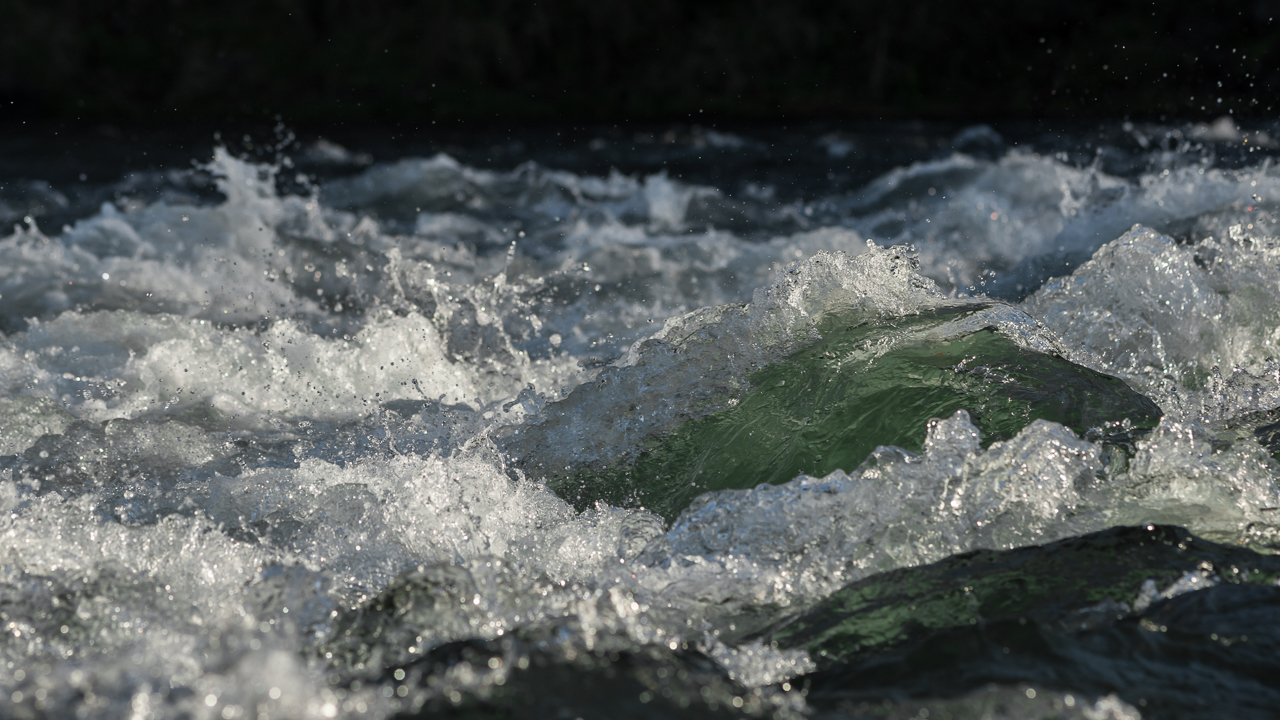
367	360
1166	316
902	510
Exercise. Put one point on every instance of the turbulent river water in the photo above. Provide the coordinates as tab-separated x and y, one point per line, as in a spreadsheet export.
815	425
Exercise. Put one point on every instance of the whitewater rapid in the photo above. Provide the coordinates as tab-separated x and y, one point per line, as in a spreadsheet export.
235	427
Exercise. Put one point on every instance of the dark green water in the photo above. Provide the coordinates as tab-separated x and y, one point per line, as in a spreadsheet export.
863	385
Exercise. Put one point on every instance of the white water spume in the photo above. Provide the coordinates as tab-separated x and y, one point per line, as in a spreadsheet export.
1173	319
226	425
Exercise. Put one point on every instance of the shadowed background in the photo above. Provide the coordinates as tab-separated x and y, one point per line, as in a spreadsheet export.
323	61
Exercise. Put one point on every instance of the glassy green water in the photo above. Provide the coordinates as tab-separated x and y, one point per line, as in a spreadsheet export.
863	385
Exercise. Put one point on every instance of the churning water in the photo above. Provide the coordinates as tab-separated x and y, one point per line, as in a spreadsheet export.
992	433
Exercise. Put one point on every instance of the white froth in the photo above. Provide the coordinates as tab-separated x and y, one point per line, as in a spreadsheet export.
1173	318
224	425
124	364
